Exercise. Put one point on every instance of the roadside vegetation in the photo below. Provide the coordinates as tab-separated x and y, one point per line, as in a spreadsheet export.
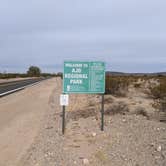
12	75
156	87
33	71
117	85
158	92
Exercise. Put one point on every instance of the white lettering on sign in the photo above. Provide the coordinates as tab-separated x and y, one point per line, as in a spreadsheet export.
75	81
73	65
64	100
76	76
68	87
76	70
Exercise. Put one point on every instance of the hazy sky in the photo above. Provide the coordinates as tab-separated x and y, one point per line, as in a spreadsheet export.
129	35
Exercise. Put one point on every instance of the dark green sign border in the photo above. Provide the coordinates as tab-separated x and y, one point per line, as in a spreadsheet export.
84	92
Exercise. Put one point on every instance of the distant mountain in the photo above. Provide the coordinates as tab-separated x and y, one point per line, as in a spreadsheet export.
114	73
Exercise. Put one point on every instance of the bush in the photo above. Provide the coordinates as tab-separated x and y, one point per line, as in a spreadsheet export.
116	85
11	75
158	92
163	105
141	111
117	108
137	85
34	71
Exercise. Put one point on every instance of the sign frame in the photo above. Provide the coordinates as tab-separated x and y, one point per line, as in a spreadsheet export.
88	91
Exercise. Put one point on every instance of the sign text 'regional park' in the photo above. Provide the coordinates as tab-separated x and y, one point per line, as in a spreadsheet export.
84	77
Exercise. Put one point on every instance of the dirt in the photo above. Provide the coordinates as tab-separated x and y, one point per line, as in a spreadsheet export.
132	135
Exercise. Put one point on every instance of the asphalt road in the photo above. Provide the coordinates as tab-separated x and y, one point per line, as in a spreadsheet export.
11	86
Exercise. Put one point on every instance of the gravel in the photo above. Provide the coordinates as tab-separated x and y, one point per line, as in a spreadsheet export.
128	140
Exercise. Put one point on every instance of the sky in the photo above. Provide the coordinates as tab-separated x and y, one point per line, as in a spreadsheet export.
128	35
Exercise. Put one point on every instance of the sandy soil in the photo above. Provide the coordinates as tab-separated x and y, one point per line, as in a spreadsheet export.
129	138
33	137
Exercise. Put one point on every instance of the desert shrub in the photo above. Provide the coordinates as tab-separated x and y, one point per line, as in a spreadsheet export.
117	108
117	85
102	157
137	85
11	75
158	92
163	105
141	111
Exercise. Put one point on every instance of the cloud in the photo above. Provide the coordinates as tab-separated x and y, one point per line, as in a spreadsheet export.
46	33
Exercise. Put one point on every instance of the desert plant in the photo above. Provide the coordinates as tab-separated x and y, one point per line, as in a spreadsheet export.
101	156
137	85
117	108
34	71
117	85
12	75
141	111
158	92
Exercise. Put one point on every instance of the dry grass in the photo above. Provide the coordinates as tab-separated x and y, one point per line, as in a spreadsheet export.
101	156
85	113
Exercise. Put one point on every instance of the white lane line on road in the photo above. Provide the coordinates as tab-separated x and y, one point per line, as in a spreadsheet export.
18	89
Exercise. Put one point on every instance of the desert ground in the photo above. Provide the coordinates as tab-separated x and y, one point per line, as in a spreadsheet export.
31	129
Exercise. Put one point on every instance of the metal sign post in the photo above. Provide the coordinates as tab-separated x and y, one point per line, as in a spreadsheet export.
102	112
64	101
63	119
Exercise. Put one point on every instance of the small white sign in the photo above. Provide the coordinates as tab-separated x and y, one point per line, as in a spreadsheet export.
64	100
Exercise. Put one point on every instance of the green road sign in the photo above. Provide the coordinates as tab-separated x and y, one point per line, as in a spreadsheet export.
84	77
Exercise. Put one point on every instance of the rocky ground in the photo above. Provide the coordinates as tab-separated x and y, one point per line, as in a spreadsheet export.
132	135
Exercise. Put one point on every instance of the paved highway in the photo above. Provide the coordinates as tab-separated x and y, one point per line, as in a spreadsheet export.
10	87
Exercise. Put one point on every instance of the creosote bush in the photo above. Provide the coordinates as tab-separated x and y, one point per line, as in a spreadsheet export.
117	85
137	85
117	108
158	92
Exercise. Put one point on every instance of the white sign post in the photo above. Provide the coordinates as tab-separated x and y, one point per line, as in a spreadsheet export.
64	101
